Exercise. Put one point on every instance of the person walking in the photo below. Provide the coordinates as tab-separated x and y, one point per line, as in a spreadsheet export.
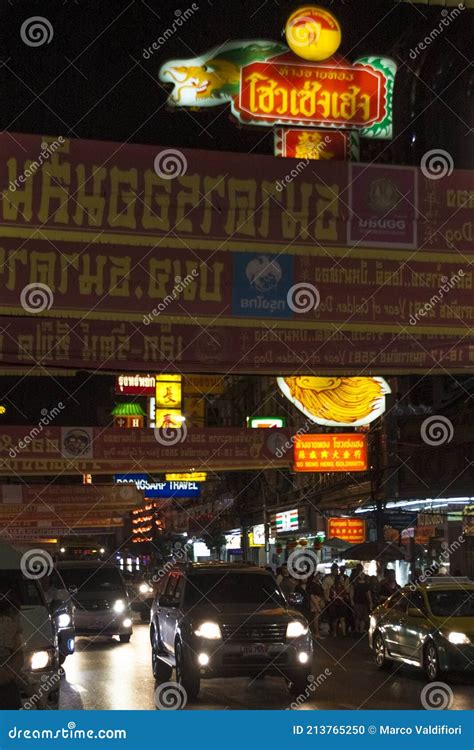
361	600
317	605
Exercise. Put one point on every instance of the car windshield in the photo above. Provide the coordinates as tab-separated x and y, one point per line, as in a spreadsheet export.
18	589
226	587
90	579
451	602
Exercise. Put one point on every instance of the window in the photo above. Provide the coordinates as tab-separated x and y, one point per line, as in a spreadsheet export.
451	602
416	601
93	579
19	590
224	587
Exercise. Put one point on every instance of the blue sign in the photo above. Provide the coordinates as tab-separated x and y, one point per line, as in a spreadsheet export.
160	489
261	285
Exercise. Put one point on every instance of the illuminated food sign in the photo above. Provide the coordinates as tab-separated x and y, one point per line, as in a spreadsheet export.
348	529
337	402
323	452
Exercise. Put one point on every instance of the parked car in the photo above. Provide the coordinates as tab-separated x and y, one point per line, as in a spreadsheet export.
429	626
40	640
226	620
60	602
100	598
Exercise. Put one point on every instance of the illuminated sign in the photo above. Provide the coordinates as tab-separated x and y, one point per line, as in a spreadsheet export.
343	95
202	384
348	529
3	409
160	489
166	419
337	402
263	422
135	385
233	541
325	452
286	521
257	536
313	33
300	143
168	392
198	476
266	85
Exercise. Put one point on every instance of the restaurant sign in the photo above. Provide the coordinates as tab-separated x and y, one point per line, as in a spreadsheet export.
350	530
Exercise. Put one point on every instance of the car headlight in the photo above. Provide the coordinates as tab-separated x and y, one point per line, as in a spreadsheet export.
209	630
39	659
144	588
64	620
459	639
295	629
119	606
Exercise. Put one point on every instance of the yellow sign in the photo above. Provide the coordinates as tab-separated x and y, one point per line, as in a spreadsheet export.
198	476
204	384
168	394
313	33
337	402
168	418
3	409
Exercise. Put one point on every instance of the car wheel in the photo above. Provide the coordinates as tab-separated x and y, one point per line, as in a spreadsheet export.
298	683
186	675
125	637
380	652
431	662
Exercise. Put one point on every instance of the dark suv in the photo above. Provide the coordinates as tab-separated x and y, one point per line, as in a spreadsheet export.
226	620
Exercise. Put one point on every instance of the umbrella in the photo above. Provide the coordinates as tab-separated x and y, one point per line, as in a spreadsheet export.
384	551
335	543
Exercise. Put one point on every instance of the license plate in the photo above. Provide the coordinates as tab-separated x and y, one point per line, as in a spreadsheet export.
256	649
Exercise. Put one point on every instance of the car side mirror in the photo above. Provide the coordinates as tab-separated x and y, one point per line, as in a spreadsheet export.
296	600
414	612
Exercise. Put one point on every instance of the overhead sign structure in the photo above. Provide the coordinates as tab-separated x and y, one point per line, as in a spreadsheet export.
157	489
324	452
339	401
265	422
348	529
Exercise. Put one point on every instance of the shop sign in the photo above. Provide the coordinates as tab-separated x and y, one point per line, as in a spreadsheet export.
168	392
194	476
257	536
233	541
204	384
350	530
265	422
337	401
300	143
324	452
287	520
135	385
160	489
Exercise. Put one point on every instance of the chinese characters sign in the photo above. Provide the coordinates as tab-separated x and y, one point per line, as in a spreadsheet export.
348	529
298	143
324	452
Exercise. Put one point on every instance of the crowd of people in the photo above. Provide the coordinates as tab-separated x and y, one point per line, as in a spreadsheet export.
339	600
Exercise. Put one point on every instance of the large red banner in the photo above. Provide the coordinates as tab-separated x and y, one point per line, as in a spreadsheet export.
232	262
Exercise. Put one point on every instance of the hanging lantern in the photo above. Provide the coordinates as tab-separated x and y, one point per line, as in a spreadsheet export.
303	542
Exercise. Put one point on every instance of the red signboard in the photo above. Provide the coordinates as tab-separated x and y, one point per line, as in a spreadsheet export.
298	143
128	384
330	452
348	529
351	96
